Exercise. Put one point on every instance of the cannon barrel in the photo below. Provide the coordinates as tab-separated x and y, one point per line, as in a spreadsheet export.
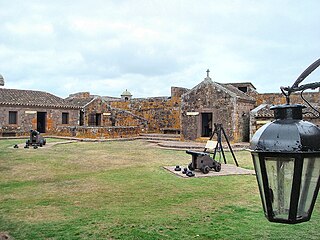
35	139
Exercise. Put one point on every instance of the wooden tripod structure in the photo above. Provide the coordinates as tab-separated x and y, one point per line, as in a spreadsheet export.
218	130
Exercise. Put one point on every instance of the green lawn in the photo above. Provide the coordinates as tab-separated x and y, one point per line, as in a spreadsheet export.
119	190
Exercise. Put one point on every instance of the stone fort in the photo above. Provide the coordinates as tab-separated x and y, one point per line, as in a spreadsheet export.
187	112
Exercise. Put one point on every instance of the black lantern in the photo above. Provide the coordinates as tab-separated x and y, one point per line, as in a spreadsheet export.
286	158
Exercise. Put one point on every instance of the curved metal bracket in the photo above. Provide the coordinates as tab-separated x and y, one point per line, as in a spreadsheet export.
296	88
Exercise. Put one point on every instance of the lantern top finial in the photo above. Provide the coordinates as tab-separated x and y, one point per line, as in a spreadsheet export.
288	111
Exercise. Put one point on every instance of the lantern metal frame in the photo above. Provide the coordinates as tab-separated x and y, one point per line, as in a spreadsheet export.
267	195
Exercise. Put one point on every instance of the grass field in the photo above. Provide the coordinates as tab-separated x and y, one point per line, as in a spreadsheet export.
119	190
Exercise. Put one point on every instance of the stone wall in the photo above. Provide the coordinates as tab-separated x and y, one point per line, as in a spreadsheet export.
98	132
124	118
159	112
178	91
27	119
278	98
80	95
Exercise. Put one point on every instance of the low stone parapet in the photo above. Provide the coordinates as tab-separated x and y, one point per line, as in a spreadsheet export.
99	132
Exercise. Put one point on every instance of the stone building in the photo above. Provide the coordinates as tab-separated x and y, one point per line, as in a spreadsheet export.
23	110
99	119
188	112
211	102
104	114
93	109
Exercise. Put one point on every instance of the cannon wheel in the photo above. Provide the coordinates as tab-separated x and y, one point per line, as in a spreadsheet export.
217	167
205	169
190	166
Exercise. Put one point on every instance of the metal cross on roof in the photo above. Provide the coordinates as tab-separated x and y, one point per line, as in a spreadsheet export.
208	72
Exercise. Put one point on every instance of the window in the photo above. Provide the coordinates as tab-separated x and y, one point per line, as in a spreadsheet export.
243	89
92	120
95	119
65	118
13	117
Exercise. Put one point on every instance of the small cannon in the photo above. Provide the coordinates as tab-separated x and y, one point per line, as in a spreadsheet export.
35	139
203	162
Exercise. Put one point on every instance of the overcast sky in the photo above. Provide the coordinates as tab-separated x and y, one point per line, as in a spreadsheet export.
147	46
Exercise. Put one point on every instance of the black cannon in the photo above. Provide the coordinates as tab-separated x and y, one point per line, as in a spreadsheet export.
35	139
203	162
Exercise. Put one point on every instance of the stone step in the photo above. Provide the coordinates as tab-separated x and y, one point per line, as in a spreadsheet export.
198	146
158	139
202	139
182	145
160	135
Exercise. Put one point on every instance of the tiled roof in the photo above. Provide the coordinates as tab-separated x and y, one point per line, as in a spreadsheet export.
108	98
265	112
242	84
80	102
32	98
83	100
231	90
238	93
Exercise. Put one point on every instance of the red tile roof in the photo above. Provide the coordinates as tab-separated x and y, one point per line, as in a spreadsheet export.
32	98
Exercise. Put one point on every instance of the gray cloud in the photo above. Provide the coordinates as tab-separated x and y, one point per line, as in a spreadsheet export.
147	46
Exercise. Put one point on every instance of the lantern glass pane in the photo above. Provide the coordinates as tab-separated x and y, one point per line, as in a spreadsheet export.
280	177
309	179
257	168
